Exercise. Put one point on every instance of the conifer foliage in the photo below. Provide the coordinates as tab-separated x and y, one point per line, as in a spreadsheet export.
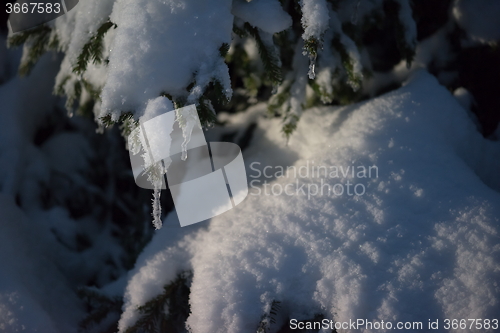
116	56
328	34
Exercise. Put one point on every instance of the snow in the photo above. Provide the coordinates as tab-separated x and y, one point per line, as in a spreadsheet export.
466	100
350	47
158	46
421	242
327	63
315	22
20	101
298	87
435	50
157	107
33	282
75	28
164	260
73	31
314	18
406	19
268	15
68	152
41	265
479	18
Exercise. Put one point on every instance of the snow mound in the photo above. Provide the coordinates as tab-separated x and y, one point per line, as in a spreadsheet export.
421	242
144	61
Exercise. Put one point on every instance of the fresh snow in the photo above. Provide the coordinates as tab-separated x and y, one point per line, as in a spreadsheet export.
421	243
40	264
406	19
34	295
268	15
315	18
157	47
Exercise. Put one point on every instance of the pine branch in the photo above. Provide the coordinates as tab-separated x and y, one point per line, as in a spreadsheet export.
107	121
311	46
239	32
100	306
224	49
290	125
93	49
354	79
252	83
206	112
407	51
38	40
270	59
269	319
175	298
22	37
277	101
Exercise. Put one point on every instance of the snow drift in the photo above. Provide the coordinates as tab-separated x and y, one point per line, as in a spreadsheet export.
421	243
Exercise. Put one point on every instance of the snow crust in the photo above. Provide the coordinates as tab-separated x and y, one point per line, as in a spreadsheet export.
421	243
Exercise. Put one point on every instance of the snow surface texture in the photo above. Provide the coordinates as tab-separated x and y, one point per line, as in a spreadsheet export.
406	18
421	243
40	263
159	45
315	18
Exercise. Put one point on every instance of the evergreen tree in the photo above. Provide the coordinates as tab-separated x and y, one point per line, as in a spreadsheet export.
313	53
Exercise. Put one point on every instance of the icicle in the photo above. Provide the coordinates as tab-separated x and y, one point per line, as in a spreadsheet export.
312	66
157	209
187	118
